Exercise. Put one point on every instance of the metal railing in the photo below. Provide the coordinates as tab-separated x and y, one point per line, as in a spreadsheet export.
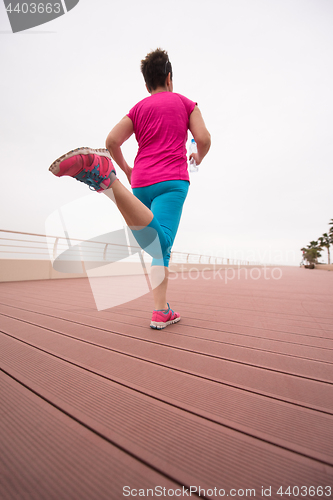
22	245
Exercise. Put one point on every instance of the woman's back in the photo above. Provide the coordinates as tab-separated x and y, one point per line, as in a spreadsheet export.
160	124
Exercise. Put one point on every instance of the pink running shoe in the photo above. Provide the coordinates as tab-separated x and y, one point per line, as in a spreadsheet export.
91	166
164	317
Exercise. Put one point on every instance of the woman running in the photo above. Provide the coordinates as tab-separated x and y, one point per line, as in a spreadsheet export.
159	178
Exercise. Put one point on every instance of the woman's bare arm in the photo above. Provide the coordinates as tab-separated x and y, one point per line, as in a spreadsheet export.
200	134
118	135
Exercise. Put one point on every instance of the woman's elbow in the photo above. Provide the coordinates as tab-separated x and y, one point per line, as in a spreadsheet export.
205	140
111	142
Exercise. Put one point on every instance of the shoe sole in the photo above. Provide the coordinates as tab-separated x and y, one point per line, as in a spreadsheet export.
81	151
159	325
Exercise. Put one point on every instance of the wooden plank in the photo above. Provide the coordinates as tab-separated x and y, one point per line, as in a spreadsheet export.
163	436
246	371
205	356
283	386
46	454
204	329
253	414
181	336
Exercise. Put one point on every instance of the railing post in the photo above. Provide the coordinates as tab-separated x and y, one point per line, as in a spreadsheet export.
55	246
105	250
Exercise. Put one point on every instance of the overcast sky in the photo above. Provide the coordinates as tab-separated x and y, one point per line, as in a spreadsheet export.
262	74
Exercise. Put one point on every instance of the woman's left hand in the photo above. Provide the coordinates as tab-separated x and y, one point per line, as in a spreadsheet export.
195	157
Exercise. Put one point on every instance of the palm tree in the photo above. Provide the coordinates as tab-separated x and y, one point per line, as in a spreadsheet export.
312	253
325	241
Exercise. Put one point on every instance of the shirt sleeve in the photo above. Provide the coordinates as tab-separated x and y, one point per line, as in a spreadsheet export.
188	104
131	113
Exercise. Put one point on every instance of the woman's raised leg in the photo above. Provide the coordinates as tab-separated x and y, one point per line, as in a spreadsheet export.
135	213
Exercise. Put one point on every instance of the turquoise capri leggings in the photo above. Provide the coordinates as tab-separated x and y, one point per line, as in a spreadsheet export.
165	200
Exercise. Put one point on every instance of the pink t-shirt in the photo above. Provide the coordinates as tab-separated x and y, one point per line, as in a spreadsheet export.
160	125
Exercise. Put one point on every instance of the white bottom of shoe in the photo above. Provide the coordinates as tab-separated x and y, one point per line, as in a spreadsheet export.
159	325
55	168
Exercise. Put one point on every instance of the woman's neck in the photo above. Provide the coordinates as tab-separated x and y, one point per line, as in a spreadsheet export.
159	89
168	87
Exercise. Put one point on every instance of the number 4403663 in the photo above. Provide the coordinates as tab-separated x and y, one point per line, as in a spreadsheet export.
303	491
33	8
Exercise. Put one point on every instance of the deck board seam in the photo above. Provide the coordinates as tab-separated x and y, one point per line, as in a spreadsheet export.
75	311
217	308
90	428
234	386
192	326
172	405
187	350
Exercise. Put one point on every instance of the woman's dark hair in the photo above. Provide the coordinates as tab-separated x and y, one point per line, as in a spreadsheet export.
155	68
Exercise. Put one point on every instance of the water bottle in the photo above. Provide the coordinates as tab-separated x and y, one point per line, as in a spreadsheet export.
193	149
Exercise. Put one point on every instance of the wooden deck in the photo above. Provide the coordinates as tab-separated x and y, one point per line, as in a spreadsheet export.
238	396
